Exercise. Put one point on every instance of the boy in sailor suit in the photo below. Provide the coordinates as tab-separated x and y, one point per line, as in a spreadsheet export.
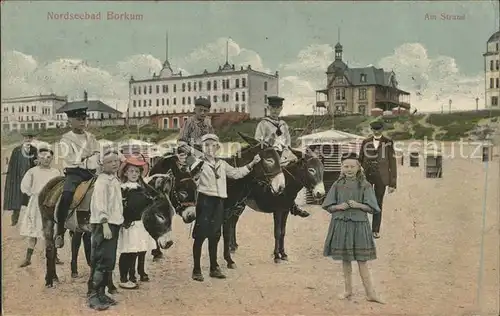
80	148
275	132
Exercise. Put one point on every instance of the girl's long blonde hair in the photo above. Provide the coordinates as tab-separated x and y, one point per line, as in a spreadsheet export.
360	176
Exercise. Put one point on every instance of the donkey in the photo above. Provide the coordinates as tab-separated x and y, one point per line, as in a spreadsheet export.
306	172
185	191
157	218
267	174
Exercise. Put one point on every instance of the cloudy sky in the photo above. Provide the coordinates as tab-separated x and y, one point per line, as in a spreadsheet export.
440	59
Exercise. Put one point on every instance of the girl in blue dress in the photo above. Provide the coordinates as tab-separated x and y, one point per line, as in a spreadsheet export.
349	236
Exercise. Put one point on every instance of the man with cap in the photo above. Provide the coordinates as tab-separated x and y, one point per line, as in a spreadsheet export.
274	131
23	158
377	157
194	128
80	161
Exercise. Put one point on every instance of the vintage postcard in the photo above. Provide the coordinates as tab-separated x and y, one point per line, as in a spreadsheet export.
338	158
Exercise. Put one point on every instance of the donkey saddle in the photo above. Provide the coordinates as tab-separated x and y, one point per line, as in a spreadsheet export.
79	212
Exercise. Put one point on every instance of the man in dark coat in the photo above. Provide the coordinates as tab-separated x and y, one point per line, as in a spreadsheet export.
377	157
23	158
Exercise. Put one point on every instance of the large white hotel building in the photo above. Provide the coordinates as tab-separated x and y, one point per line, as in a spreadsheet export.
230	89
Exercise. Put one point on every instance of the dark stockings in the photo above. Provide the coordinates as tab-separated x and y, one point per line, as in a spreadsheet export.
126	266
212	252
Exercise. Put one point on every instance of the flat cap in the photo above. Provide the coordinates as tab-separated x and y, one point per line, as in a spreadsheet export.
203	102
377	125
349	155
77	113
275	101
206	137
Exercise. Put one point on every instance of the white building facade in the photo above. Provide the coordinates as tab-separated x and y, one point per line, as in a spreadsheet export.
241	90
492	71
32	112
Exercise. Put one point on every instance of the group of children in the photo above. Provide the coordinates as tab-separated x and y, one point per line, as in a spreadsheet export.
116	224
115	220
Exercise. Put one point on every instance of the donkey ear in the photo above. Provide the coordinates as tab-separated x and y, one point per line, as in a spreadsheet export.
158	182
168	184
250	141
196	169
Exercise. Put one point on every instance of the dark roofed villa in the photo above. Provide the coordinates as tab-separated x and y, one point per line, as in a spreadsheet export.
96	109
360	90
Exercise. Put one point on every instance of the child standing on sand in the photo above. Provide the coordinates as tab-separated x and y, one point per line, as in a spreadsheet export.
349	236
32	183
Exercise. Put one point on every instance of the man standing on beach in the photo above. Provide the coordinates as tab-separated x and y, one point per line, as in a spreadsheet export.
377	157
22	159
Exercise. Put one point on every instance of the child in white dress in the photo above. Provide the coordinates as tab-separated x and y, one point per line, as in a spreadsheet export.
134	240
32	183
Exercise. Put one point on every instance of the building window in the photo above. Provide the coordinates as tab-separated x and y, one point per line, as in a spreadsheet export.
265	112
134	103
157	102
494	101
362	109
243	109
215	85
236	96
189	100
227	84
139	90
498	64
175	101
27	109
145	90
135	90
208	85
237	108
243	96
168	102
183	87
150	89
497	47
237	83
223	84
363	78
157	89
189	86
265	86
337	94
243	82
149	101
496	83
343	94
491	65
176	122
362	93
265	99
492	82
199	86
339	80
162	101
183	100
215	98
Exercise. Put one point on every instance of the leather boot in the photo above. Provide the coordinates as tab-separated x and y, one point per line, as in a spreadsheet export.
14	219
296	210
94	300
62	214
102	291
27	260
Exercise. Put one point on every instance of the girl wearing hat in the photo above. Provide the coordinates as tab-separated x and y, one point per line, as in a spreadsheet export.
134	240
212	190
349	236
31	184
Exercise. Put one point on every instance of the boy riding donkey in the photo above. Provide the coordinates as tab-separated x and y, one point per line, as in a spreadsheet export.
273	131
80	164
190	141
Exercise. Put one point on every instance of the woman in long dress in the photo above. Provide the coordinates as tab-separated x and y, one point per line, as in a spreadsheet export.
32	183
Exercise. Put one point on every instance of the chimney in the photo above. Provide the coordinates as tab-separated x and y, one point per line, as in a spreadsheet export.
85	96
